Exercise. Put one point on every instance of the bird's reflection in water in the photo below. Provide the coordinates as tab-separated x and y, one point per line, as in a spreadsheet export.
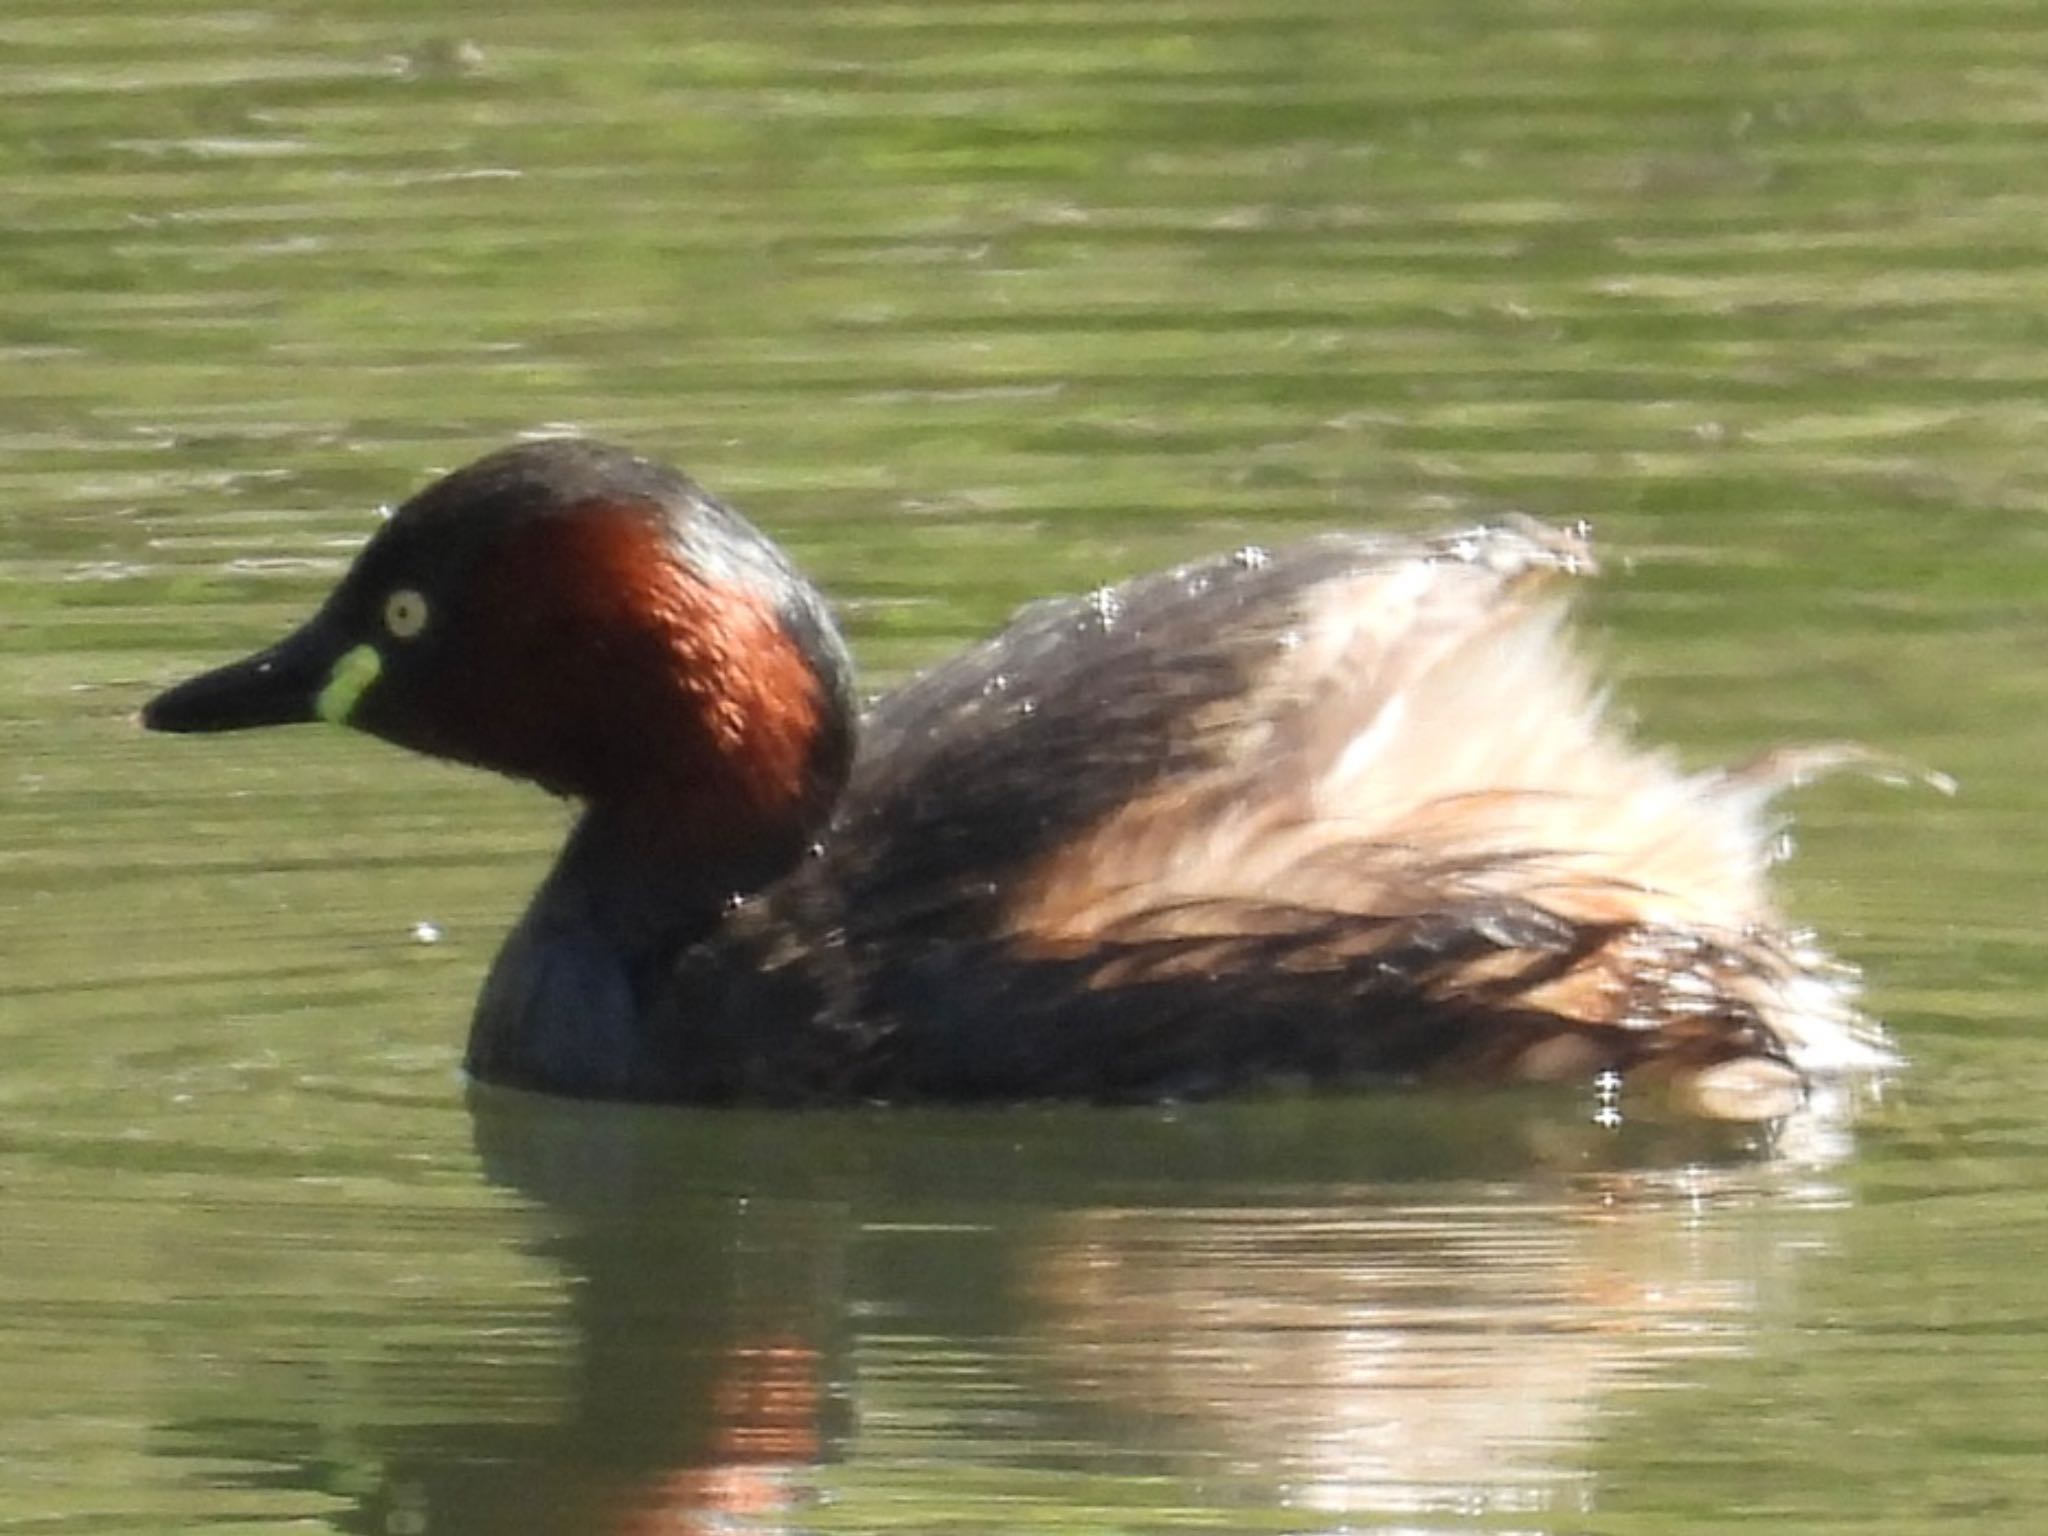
1393	1305
1369	1306
1442	1353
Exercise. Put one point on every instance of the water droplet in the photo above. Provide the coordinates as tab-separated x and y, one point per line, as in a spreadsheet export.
1607	1100
997	683
1107	604
1252	558
424	932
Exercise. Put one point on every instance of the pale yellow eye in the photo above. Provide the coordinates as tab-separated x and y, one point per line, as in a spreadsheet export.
405	613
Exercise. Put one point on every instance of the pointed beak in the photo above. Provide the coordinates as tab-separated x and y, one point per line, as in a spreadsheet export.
291	682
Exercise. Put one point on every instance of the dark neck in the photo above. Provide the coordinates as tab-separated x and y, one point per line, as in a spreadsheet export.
566	1005
630	876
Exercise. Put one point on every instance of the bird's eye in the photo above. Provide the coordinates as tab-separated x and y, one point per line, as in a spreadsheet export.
405	613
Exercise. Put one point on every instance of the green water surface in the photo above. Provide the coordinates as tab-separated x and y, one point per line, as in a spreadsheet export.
969	301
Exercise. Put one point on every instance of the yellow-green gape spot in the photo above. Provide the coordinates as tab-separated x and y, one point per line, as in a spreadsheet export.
350	679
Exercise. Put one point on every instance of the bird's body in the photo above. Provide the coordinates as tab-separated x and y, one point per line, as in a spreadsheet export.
1349	811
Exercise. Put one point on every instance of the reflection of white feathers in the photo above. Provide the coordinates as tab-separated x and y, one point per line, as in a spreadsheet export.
1420	1364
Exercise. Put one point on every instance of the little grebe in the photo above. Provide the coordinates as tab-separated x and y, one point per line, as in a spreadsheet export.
1342	812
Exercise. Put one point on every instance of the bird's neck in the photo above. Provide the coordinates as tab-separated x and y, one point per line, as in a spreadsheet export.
570	1002
647	875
